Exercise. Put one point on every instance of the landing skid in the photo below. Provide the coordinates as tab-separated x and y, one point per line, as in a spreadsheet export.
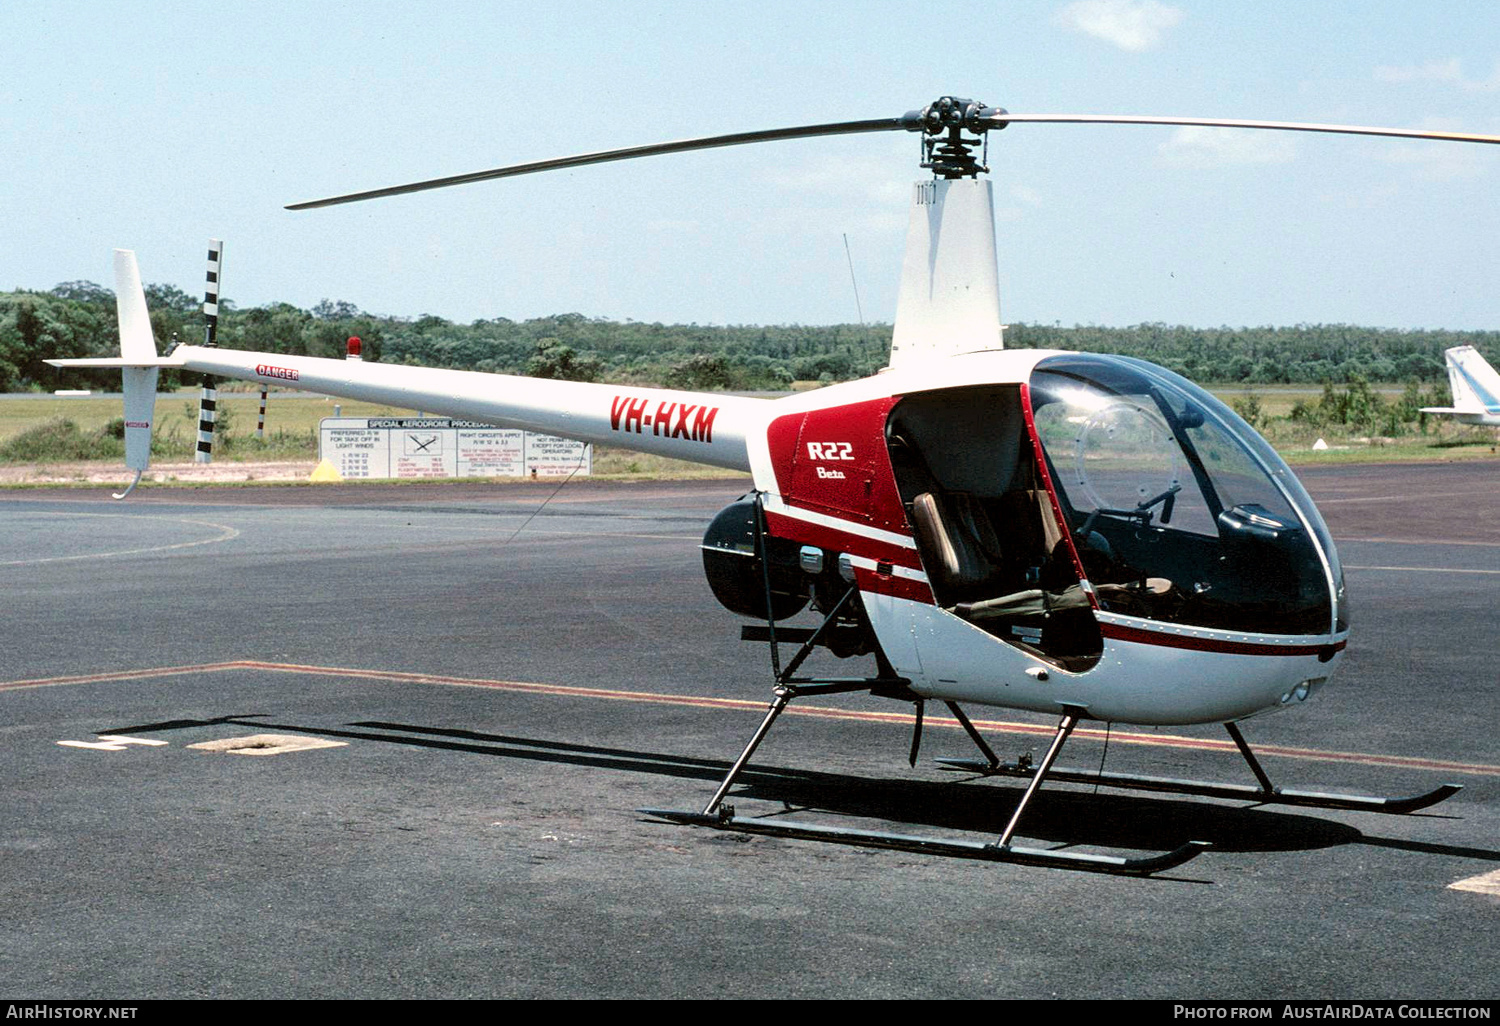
988	852
720	816
1238	792
1264	794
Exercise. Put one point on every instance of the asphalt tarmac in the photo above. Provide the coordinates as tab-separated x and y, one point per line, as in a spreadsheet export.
508	679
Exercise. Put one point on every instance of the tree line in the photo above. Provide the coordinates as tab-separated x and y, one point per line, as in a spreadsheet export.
77	319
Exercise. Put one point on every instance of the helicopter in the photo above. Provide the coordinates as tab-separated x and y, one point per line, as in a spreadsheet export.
1081	535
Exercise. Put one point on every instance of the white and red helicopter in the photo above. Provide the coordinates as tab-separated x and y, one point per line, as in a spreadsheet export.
1084	535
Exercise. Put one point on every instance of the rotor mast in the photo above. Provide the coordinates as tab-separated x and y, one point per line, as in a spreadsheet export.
949	302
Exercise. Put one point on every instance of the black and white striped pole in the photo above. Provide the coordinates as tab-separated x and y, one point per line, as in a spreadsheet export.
208	404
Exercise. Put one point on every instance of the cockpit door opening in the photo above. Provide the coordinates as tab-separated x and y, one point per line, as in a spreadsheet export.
986	530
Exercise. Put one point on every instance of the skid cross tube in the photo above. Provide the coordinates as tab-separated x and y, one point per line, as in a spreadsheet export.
782	700
974	735
1069	721
1244	747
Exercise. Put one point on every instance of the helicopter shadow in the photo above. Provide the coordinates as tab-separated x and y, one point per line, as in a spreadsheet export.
1064	815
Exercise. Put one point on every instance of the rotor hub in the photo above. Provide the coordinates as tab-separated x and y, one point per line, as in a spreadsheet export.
952	129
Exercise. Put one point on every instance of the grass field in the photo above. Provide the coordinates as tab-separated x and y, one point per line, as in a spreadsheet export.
293	415
292	425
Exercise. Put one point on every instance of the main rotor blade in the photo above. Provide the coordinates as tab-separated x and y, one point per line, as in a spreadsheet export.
913	121
603	156
1001	120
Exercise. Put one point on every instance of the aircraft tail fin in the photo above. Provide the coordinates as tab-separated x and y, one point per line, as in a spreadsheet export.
1475	384
138	362
950	293
136	340
136	344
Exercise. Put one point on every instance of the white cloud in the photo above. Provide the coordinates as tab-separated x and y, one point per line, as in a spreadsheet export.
1025	194
872	177
674	227
1193	146
1433	71
1449	72
1133	25
1437	162
1377	196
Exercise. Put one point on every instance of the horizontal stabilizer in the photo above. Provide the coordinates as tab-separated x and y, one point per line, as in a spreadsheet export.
119	361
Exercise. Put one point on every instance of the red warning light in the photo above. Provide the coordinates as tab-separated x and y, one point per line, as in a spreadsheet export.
352	353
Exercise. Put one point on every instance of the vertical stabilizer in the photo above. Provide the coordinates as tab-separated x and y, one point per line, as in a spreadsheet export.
1476	386
136	340
950	286
136	344
140	407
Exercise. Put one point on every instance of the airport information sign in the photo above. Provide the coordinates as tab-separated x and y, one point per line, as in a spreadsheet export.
440	447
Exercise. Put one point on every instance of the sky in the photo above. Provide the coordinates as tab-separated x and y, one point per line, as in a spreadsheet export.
158	125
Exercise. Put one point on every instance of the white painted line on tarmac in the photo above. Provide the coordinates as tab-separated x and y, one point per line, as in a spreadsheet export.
1486	883
1426	569
227	533
1338	500
1420	541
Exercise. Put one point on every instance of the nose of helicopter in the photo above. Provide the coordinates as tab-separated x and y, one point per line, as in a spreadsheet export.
1178	512
1204	558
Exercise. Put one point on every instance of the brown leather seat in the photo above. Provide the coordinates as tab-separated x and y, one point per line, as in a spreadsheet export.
959	545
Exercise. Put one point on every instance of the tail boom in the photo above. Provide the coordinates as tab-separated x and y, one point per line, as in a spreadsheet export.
708	428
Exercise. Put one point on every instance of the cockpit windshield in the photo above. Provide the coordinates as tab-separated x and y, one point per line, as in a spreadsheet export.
1178	510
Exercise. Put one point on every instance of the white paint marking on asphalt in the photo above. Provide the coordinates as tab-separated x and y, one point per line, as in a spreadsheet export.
227	533
112	743
1426	569
1486	883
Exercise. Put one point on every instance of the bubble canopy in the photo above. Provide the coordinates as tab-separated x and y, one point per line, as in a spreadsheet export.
1178	510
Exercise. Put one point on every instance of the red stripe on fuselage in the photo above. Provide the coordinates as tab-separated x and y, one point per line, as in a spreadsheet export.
1139	636
835	540
874	583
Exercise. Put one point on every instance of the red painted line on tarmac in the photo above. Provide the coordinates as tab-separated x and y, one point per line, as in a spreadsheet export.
749	705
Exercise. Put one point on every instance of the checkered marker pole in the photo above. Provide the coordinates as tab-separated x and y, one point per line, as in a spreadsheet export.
208	404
